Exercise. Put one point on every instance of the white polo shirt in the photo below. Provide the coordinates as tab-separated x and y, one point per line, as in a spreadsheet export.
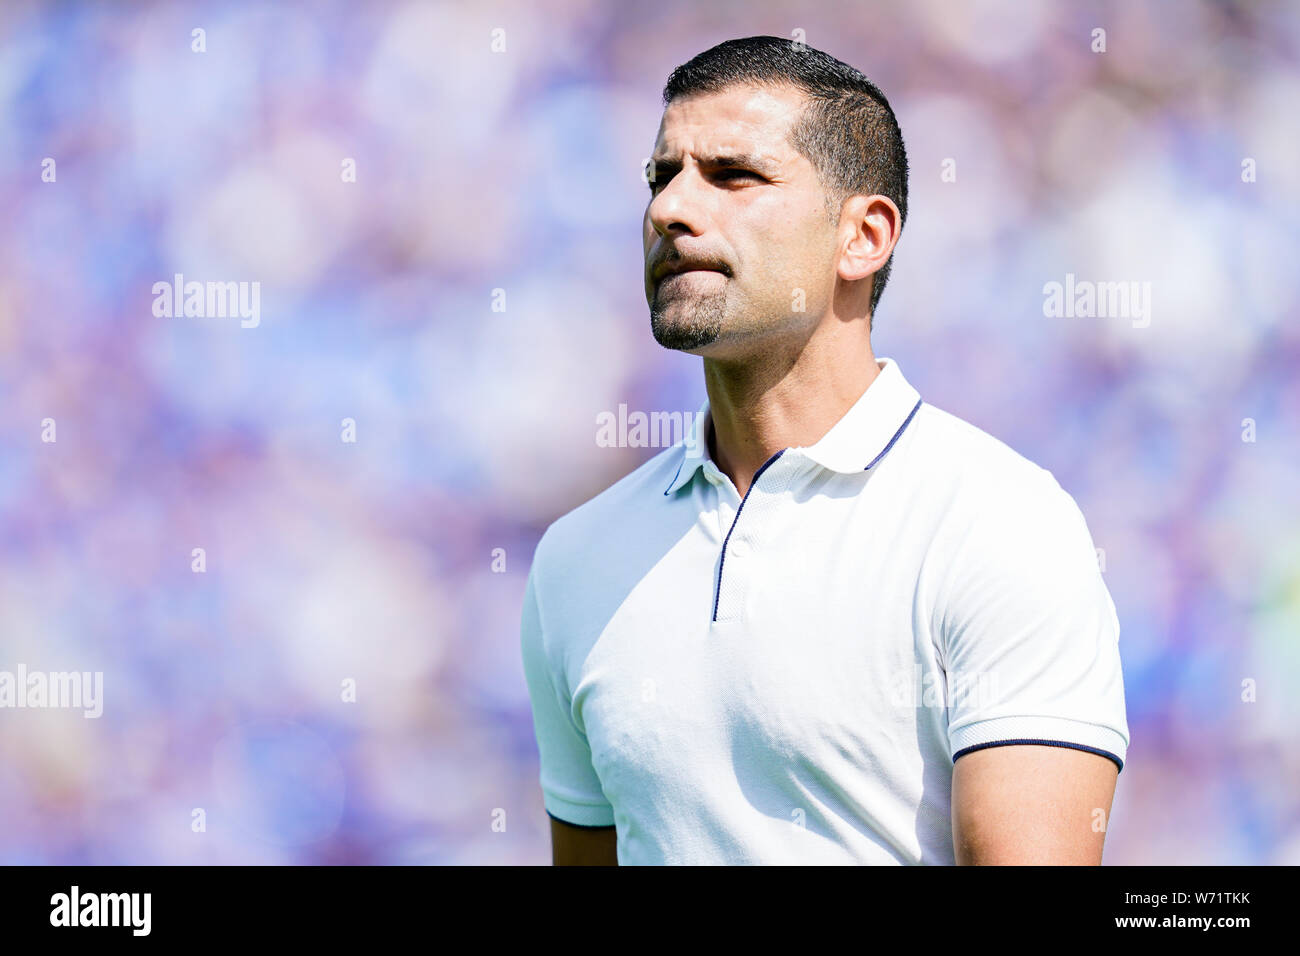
789	677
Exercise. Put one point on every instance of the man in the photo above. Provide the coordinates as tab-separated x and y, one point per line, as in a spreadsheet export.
836	624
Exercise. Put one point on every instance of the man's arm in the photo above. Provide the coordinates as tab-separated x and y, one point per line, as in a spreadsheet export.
582	846
569	781
1029	804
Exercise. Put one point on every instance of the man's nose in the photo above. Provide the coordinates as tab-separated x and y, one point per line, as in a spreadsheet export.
677	206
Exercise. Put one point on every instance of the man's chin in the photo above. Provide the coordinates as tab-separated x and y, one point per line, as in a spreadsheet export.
687	326
682	337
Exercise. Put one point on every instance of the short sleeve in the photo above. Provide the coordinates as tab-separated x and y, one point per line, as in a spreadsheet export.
1029	631
571	791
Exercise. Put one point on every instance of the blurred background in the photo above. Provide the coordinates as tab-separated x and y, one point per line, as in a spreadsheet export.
441	204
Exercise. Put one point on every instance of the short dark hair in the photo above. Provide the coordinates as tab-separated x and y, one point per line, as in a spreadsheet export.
848	131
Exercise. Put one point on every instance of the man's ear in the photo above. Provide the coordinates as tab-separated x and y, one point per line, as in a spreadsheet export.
869	229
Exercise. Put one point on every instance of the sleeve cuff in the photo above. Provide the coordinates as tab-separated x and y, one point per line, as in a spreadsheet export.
578	814
1052	731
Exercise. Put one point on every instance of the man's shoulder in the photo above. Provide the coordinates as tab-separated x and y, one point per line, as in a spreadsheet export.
980	470
996	495
577	533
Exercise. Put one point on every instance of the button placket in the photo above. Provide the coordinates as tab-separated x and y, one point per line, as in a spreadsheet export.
734	562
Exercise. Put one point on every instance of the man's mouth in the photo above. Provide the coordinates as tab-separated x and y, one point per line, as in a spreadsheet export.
686	272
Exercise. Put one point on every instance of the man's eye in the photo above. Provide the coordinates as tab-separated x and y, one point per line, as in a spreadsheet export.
722	174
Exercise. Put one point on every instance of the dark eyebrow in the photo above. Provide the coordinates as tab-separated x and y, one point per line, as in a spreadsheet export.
760	164
748	160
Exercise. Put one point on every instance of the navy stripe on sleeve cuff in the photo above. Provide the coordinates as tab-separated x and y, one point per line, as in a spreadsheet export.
580	826
1050	743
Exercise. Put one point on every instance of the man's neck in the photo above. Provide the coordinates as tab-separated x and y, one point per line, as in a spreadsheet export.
760	407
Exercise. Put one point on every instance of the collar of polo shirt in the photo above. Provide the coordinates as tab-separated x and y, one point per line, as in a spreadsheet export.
855	443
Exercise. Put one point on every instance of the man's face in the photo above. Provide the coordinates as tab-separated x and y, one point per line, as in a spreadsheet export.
733	202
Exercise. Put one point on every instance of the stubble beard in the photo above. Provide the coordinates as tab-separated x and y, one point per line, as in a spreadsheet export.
686	322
